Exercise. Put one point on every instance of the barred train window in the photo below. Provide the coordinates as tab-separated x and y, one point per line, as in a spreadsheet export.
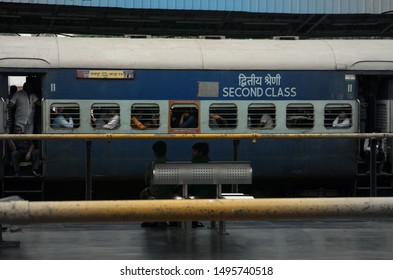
145	116
338	116
222	116
261	116
184	115
300	116
64	115
105	116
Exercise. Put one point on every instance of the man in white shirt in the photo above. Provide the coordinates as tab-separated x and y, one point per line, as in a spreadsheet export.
24	102
61	122
266	122
342	121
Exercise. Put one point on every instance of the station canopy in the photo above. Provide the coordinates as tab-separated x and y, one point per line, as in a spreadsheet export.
194	18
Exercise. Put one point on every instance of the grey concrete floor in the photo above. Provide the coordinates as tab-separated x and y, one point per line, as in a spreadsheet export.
264	240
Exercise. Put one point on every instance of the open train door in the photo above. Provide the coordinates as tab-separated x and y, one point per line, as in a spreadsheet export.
383	119
8	79
376	111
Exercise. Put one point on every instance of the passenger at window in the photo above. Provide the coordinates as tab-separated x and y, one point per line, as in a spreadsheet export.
266	122
299	118
24	150
24	102
342	121
189	119
60	121
152	121
113	122
217	121
137	123
96	120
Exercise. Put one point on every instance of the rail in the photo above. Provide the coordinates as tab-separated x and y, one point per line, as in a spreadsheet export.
3	243
236	136
25	212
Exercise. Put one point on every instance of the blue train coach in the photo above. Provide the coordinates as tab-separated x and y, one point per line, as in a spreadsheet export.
145	86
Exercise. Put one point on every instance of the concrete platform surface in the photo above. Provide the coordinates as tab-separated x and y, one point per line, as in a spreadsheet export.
255	240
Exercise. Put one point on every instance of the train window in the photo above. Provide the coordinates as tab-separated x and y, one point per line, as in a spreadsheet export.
105	116
145	116
300	116
338	116
261	116
184	116
222	116
64	115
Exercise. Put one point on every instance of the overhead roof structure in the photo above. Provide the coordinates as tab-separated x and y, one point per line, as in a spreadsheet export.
229	18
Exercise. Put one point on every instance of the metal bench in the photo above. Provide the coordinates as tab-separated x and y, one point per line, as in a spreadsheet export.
216	172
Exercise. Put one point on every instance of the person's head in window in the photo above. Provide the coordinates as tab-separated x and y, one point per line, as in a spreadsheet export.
189	119
342	120
63	119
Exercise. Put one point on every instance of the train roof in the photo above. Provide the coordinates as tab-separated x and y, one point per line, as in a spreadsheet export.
194	54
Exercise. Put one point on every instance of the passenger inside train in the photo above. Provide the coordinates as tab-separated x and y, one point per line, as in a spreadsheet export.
223	116
105	116
217	121
300	116
266	122
342	120
24	150
145	116
62	119
188	119
114	121
184	116
24	102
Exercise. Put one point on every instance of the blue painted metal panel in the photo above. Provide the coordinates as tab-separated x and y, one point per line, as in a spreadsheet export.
253	6
233	85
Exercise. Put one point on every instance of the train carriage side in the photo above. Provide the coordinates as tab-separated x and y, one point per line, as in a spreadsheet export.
231	86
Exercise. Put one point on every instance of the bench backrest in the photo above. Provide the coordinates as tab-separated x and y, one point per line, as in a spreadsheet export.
215	172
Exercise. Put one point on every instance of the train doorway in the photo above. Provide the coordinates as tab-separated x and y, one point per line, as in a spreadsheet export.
9	83
26	184
375	169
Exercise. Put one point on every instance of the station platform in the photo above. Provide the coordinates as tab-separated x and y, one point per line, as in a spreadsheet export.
252	240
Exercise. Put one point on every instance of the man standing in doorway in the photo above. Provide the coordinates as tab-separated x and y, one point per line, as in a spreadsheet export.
24	102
